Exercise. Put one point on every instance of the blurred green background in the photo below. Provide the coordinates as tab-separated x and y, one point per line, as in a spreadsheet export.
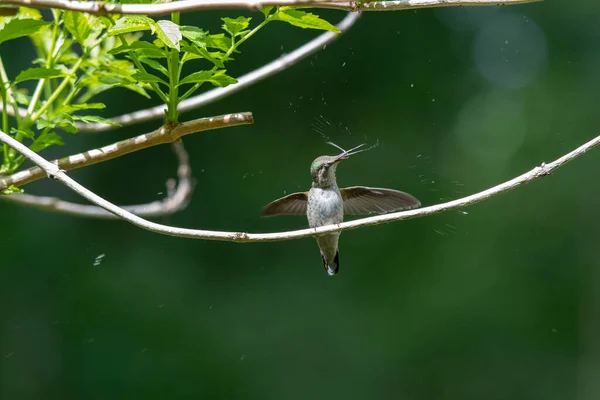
496	301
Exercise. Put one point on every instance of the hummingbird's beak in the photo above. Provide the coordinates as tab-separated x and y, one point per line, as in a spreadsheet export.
347	153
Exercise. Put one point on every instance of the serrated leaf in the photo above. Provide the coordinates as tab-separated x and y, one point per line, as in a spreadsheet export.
38	73
42	123
132	23
68	125
77	25
28	133
20	27
203	53
44	140
193	33
235	26
155	65
218	41
22	98
303	19
88	119
146	77
142	49
266	10
218	78
168	32
67	109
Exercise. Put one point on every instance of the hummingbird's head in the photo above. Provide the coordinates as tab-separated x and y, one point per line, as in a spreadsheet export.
323	168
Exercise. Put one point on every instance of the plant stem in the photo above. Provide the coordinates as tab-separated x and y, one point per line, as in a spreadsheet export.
174	68
4	122
234	46
4	81
139	66
56	93
49	63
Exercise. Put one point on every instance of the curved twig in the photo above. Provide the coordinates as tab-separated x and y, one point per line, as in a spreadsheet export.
55	172
179	194
102	8
164	134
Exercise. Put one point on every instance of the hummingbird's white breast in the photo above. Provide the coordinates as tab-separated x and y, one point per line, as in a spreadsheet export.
325	206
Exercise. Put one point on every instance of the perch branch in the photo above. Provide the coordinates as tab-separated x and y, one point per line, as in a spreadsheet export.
102	8
272	68
53	171
164	134
178	197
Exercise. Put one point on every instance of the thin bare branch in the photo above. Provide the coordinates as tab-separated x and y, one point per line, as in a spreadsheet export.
272	68
102	8
164	134
179	194
55	172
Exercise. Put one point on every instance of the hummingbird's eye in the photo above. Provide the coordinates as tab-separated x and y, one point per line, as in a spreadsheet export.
327	165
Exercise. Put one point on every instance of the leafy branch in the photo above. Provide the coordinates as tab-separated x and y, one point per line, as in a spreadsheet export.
80	58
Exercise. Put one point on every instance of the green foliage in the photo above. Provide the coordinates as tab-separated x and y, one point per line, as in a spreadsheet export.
38	73
17	28
80	56
303	19
10	190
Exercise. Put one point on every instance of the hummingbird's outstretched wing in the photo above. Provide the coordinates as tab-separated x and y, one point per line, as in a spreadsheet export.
292	204
367	200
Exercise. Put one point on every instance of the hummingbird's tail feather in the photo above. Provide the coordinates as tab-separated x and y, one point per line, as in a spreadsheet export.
333	267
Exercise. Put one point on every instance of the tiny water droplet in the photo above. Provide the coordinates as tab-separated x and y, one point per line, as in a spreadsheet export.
98	259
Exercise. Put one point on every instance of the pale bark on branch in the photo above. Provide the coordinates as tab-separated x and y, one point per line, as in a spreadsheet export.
164	134
55	172
179	194
102	8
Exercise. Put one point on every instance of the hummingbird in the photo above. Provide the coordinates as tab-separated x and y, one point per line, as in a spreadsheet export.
325	203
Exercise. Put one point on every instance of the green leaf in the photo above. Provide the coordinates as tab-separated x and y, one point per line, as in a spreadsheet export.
218	78
12	189
303	19
156	65
146	77
68	125
88	119
235	26
22	98
44	140
20	27
218	41
67	109
142	49
77	24
28	133
42	123
168	32
132	23
193	33
213	57
38	73
266	10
